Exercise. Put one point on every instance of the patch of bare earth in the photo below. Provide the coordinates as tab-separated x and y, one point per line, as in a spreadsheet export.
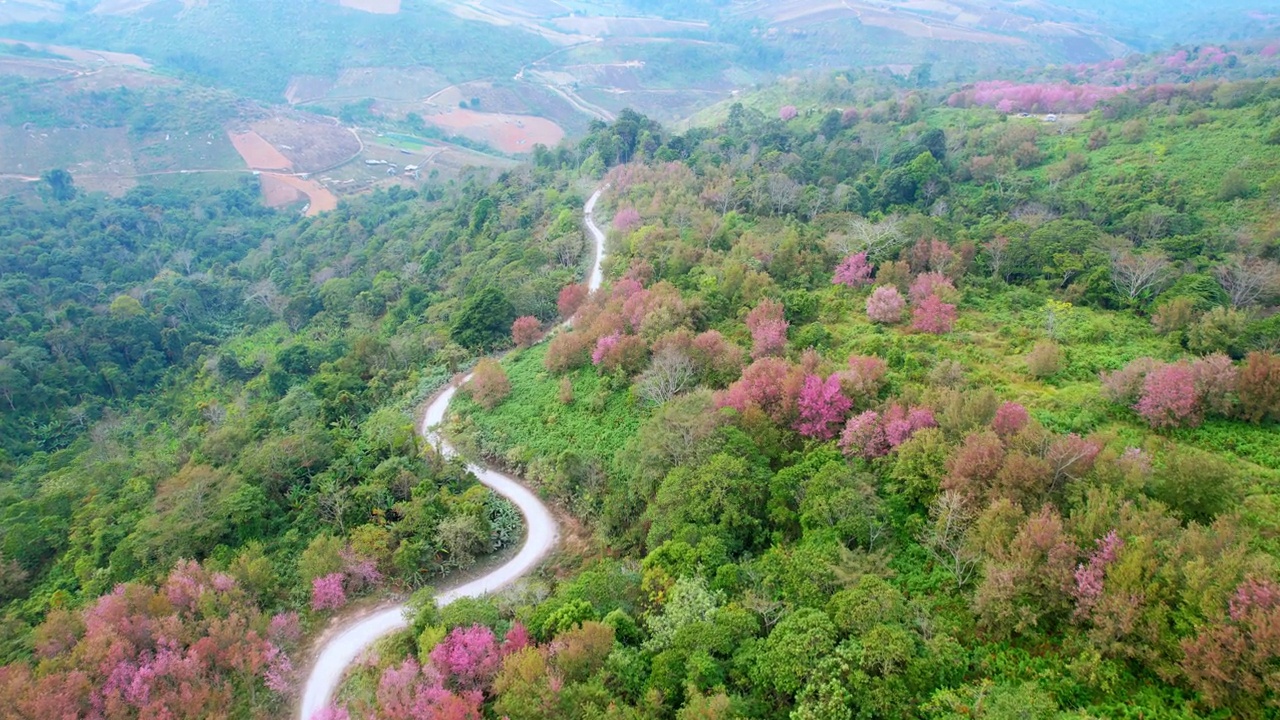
508	133
309	145
258	154
280	188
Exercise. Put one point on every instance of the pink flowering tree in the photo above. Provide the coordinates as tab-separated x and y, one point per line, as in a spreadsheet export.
327	592
525	331
412	692
933	316
930	283
768	329
1169	398
885	305
626	220
570	299
788	113
603	346
767	384
864	378
1090	576
468	657
853	272
822	407
863	437
1010	419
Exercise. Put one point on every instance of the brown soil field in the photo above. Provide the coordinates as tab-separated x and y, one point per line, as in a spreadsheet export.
258	154
280	190
85	56
308	145
508	133
378	7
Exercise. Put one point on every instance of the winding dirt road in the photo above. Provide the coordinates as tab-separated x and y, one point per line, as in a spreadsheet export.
541	534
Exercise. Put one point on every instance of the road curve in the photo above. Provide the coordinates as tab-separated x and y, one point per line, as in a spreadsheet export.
541	534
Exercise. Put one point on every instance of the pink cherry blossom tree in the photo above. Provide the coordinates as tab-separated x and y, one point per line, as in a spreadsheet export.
933	316
822	407
853	272
885	305
768	329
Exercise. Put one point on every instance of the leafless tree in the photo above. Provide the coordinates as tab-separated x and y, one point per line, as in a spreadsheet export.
568	249
264	292
784	192
997	249
184	258
1248	281
946	537
1134	274
814	200
875	239
670	373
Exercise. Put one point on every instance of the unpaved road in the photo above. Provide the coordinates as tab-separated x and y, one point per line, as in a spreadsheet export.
541	533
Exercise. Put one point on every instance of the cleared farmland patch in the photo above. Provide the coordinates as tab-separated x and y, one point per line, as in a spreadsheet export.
258	154
306	144
513	134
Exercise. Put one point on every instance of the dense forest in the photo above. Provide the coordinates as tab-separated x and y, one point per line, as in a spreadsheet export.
893	405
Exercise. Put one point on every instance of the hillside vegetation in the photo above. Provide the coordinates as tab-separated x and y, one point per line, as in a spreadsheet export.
894	404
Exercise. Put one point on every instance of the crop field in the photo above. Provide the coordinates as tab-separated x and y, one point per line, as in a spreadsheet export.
513	134
309	144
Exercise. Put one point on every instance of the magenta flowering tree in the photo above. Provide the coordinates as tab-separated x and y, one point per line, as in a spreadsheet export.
930	283
768	329
853	272
570	299
1169	398
864	377
885	305
626	220
411	692
1060	97
933	316
468	657
327	592
822	407
603	346
767	384
1010	419
525	331
1091	575
864	437
788	113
